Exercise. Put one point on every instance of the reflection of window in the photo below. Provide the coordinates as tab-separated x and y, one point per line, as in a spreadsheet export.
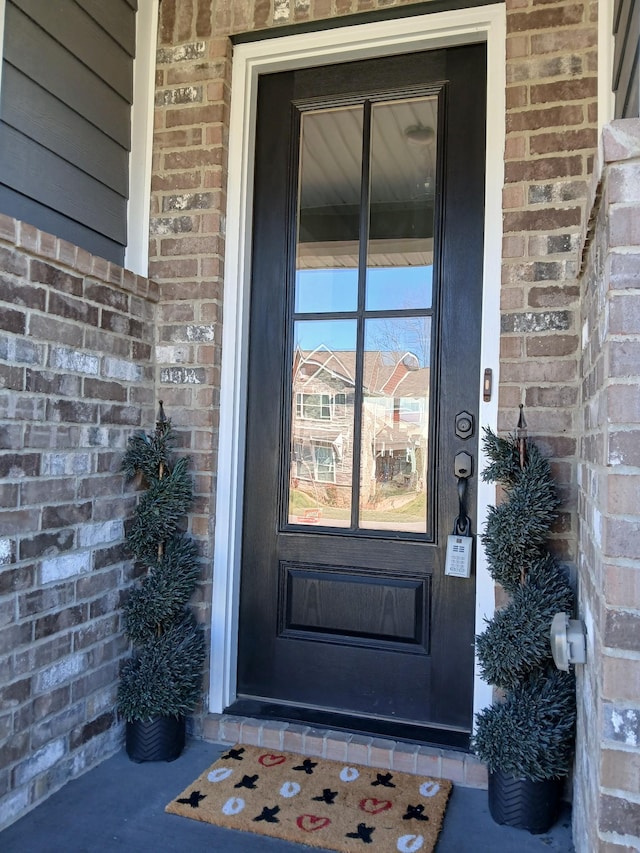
339	405
325	467
315	461
316	407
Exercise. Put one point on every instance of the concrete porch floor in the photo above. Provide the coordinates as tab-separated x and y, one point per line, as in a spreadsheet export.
119	806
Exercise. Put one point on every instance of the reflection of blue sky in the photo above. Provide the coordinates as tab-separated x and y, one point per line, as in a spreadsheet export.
391	334
326	290
400	335
335	335
388	288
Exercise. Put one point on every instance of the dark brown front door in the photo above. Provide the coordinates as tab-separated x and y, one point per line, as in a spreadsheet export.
364	355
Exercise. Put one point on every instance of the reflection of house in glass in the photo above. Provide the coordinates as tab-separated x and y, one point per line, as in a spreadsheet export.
393	439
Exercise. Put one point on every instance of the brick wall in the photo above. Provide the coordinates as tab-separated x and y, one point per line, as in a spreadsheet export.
551	137
551	119
607	802
76	376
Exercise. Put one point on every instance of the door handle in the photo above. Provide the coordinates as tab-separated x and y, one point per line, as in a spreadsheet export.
463	465
463	469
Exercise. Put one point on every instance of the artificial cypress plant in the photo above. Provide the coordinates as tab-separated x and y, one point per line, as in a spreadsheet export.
163	676
529	732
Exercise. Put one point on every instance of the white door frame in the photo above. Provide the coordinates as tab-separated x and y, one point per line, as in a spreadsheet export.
379	38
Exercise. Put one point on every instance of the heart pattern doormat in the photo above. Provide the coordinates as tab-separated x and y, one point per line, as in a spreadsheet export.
314	801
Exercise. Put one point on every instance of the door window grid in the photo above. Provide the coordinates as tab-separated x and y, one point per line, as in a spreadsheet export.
385	473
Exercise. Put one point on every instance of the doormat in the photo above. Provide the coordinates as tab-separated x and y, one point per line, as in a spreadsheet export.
314	801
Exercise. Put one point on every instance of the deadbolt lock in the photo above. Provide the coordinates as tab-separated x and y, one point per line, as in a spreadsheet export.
464	425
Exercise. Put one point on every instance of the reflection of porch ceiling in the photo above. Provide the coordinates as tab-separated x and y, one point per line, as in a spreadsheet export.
333	145
382	253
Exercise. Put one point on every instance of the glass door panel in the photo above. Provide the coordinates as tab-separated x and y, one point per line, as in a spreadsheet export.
395	424
362	306
401	204
329	210
322	423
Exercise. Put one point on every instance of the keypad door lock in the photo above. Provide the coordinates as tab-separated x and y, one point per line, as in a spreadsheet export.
464	425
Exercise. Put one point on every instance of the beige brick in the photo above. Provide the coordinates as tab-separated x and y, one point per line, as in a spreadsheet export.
509	397
543	18
611	847
429	762
380	753
314	742
293	738
337	746
623	403
553	296
566	41
619	815
185	116
544	169
533	371
622	493
537	119
513	246
230	729
182	268
475	773
518	46
358	749
622	629
8	228
511	298
404	757
515	147
453	768
623	269
542	220
513	196
272	734
552	345
561	141
549	420
620	678
251	733
624	225
622	538
511	347
624	315
623	183
517	96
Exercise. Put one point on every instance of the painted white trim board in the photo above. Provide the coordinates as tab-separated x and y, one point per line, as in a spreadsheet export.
465	26
136	256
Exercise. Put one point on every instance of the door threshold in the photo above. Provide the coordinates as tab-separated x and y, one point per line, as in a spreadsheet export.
369	750
375	726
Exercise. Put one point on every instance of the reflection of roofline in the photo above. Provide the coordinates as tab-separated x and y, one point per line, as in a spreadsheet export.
394	372
324	348
325	369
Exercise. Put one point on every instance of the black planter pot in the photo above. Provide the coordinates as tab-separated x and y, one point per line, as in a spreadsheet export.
524	804
159	739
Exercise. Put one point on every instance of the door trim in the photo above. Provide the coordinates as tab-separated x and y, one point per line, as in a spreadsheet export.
404	35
